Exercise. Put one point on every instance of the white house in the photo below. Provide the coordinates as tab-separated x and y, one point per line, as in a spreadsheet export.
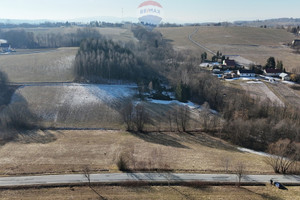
272	72
246	73
285	77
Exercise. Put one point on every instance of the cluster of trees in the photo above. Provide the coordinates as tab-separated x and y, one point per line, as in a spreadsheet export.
100	59
24	39
4	90
272	64
13	117
294	29
105	24
135	116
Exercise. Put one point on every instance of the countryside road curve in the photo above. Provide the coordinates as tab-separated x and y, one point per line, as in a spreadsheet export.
152	177
198	44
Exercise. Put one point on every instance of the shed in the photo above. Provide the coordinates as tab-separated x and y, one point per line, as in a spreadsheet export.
285	77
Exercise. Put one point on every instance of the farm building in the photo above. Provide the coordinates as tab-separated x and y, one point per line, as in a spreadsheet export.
296	43
284	77
246	73
272	72
229	63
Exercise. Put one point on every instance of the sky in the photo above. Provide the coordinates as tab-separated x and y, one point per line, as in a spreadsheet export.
175	11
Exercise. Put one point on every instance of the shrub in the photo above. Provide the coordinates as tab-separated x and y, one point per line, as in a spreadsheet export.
122	164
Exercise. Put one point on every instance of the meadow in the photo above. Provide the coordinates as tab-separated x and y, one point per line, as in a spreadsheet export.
46	65
156	192
255	44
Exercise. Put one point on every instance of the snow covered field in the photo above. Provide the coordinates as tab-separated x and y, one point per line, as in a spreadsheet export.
75	103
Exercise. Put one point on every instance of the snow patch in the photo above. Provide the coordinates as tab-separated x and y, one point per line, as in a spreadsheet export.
190	104
93	93
254	82
254	152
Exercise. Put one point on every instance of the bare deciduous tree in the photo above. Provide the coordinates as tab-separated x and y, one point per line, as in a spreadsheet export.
140	117
135	117
240	172
285	154
128	115
182	117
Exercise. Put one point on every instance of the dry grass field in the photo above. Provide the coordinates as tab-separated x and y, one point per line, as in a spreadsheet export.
255	44
118	34
287	94
156	192
92	106
258	89
69	151
53	65
75	105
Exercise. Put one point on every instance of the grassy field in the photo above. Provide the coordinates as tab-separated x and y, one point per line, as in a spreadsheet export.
53	65
258	89
156	192
118	34
69	151
75	105
256	44
288	95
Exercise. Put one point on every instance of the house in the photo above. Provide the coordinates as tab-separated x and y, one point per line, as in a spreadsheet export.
296	43
285	77
246	73
272	72
5	47
229	63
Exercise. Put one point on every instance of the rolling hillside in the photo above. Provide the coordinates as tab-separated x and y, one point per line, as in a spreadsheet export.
256	44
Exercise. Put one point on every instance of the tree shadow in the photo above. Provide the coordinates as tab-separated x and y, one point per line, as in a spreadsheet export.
208	141
263	196
19	124
185	196
34	136
159	138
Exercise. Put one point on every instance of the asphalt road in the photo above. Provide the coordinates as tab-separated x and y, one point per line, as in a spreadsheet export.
152	177
198	44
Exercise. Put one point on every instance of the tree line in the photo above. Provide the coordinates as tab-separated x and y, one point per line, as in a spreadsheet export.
30	40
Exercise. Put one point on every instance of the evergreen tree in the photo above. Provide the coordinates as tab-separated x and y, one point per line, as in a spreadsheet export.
270	63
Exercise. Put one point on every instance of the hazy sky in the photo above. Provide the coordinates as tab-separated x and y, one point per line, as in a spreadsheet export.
175	10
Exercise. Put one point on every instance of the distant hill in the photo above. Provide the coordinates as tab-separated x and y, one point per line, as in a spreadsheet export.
82	20
21	21
270	22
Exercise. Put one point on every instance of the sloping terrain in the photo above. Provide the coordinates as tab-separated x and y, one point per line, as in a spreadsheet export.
52	65
69	151
255	44
78	105
258	89
287	94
